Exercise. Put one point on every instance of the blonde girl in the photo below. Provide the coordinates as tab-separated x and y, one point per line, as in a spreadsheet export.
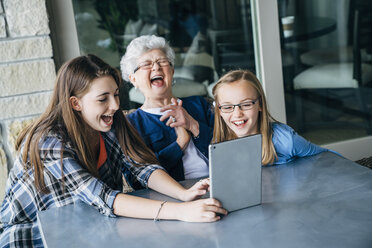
241	110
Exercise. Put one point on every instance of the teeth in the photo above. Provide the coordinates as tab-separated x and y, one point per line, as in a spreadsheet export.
157	77
238	122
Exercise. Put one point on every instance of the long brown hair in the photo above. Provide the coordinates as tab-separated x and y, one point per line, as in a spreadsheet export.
74	79
222	132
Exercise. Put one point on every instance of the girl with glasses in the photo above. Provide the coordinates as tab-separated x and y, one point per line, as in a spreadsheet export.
241	110
82	148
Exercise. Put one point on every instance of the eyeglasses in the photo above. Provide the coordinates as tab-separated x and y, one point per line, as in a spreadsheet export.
147	65
229	108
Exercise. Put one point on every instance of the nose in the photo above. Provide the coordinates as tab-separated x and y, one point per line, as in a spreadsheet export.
114	103
155	66
237	111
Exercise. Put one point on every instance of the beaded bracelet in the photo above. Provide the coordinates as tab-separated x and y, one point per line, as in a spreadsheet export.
157	215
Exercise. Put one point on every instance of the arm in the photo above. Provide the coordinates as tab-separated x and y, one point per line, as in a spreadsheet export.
204	210
168	151
181	117
303	147
160	181
76	181
197	118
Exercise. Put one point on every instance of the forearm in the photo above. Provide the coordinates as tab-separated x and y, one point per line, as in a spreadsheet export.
194	127
160	181
137	207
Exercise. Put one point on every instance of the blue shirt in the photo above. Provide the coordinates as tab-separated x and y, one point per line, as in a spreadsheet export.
22	200
289	145
161	139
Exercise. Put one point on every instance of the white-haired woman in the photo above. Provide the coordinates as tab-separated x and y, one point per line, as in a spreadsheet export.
177	130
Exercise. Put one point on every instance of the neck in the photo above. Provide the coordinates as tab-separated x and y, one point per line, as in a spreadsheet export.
93	137
157	102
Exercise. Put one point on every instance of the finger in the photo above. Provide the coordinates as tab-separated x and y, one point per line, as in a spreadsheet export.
167	107
205	181
180	103
175	124
216	210
166	115
169	122
213	202
211	219
209	214
174	101
200	192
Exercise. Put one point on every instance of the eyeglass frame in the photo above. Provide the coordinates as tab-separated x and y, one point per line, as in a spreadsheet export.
253	102
152	64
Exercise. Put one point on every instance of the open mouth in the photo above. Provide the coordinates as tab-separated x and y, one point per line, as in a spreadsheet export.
107	119
239	123
157	81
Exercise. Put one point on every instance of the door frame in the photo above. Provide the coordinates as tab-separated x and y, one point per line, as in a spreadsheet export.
265	23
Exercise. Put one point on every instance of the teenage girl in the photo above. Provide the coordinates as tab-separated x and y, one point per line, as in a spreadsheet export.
82	148
241	110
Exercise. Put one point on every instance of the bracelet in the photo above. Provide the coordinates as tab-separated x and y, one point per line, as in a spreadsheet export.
157	215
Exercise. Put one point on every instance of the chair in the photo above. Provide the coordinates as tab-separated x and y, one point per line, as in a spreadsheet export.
336	54
344	75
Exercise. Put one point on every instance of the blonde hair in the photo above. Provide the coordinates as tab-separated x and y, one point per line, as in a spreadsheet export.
74	79
222	132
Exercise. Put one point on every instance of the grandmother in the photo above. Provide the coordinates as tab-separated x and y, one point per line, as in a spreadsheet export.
177	130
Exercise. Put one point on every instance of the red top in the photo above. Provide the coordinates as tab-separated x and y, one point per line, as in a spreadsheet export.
102	152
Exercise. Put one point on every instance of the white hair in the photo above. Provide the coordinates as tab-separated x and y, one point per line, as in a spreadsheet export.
140	46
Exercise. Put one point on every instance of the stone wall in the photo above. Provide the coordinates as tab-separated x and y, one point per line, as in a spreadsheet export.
27	72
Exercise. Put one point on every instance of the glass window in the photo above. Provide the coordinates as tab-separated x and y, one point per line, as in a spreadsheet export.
209	37
324	46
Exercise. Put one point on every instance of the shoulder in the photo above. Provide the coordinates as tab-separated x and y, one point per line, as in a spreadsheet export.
134	115
196	104
281	128
194	100
138	117
282	134
51	141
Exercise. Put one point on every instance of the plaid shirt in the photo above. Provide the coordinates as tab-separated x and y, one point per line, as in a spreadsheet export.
22	199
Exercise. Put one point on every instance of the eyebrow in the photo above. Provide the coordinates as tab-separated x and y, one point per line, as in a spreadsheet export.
107	93
150	60
245	100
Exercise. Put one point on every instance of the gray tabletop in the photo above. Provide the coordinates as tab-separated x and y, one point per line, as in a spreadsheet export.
318	201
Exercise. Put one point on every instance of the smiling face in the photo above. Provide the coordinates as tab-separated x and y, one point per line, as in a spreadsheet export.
241	122
154	75
99	104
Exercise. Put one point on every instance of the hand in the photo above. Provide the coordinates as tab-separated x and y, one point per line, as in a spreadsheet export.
197	190
183	137
178	117
204	210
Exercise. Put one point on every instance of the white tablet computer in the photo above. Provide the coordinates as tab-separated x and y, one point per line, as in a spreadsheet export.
235	172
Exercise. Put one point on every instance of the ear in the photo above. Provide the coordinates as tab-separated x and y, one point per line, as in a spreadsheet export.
75	104
132	78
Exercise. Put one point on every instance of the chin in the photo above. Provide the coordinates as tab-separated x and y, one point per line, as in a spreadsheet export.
241	134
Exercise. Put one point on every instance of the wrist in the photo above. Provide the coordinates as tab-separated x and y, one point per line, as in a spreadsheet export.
170	211
194	129
181	143
182	195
